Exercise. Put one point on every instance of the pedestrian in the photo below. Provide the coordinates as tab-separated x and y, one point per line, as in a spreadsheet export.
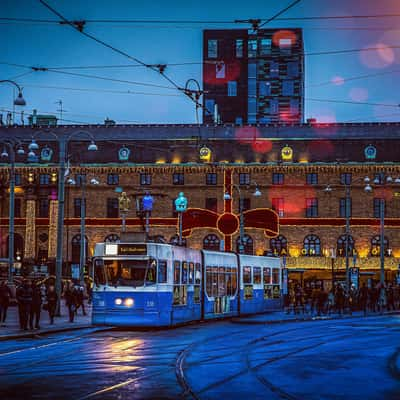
321	300
298	298
373	298
24	299
51	302
331	301
390	298
353	298
70	296
5	295
80	299
339	300
36	305
89	290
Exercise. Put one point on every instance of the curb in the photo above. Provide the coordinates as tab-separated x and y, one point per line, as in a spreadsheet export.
306	319
34	334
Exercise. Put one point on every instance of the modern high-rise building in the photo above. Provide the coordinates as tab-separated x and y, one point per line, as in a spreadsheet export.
253	77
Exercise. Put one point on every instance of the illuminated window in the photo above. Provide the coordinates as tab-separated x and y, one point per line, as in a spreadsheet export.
312	246
376	246
248	244
341	246
239	48
211	242
278	245
312	207
232	88
265	47
212	48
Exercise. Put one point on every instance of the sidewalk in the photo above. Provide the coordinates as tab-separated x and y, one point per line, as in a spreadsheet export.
11	330
276	317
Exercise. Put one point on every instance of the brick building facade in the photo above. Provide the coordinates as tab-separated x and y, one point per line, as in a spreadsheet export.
302	172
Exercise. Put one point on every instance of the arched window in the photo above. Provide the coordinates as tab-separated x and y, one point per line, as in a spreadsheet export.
113	237
211	242
278	245
341	246
376	246
18	247
175	241
311	246
76	249
247	243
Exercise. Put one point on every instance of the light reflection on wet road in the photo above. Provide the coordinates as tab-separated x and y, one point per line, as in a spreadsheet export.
338	359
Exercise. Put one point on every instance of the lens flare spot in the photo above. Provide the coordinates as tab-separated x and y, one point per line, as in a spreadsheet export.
284	38
337	80
380	57
358	94
261	146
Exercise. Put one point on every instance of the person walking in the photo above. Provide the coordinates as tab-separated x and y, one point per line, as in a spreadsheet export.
51	302
24	299
80	298
5	295
70	296
363	298
36	305
339	300
390	298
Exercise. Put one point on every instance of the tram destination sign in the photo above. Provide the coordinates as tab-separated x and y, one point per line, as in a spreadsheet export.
125	249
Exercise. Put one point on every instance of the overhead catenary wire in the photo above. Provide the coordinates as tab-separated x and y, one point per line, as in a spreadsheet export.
362	103
279	13
123	53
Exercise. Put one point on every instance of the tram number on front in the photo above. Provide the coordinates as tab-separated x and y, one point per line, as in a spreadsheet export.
150	303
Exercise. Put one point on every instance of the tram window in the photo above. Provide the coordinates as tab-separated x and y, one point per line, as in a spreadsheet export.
214	279
184	272
191	273
197	274
131	272
275	276
228	282
209	281
221	282
267	276
99	273
246	274
257	275
234	280
177	272
162	271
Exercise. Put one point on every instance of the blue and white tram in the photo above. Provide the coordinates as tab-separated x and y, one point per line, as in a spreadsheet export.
156	284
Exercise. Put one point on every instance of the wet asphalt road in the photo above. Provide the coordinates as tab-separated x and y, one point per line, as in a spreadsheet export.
336	359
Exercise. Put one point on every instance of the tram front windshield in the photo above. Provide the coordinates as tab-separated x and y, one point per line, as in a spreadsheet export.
130	272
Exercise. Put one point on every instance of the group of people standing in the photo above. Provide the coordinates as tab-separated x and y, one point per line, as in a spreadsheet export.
314	299
34	296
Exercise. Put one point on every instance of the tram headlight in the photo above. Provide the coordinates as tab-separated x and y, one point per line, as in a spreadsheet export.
129	302
118	302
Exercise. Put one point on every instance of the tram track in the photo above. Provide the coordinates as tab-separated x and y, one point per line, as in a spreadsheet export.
189	391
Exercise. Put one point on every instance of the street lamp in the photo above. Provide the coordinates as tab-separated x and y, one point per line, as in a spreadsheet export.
13	147
63	142
19	100
180	207
227	196
380	179
82	250
147	207
328	190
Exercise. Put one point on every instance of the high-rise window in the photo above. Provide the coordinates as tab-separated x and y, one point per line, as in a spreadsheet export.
145	179
43	208
212	48
112	179
312	178
287	87
274	106
209	107
239	48
211	204
211	178
178	178
220	70
312	207
293	69
265	47
264	88
232	88
112	207
294	106
278	178
285	45
252	48
342	207
278	206
274	69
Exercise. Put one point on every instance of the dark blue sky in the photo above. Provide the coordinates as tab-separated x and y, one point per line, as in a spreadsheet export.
54	45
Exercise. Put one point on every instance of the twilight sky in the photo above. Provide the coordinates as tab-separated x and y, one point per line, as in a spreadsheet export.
357	86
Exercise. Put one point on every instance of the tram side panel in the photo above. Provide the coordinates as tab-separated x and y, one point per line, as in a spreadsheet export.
220	284
259	284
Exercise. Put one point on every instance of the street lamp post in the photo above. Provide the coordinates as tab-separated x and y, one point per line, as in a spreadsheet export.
180	207
11	224
147	207
227	196
63	141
